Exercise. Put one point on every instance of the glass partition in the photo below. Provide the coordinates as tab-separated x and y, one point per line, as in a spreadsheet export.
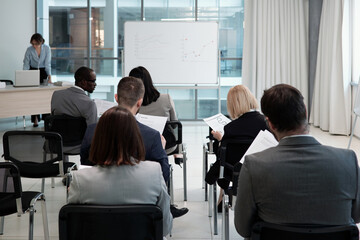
91	33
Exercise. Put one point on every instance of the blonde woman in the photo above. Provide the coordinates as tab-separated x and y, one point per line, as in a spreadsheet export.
246	124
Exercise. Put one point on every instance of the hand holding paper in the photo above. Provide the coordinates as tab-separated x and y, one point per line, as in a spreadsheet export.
217	122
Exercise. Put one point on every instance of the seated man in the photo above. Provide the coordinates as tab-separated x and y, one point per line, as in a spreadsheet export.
73	101
299	181
130	93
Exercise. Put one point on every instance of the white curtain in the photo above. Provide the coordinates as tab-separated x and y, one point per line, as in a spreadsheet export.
332	90
275	44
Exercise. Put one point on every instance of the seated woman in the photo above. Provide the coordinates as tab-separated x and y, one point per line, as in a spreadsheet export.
120	176
246	124
157	104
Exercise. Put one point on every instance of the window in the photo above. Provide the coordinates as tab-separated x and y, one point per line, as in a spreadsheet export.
75	41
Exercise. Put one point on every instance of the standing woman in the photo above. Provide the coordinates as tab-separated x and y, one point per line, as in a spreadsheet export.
38	57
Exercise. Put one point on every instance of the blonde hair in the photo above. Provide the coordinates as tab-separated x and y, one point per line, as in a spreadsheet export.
240	100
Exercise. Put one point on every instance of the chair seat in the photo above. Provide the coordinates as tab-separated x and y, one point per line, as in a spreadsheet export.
34	170
8	203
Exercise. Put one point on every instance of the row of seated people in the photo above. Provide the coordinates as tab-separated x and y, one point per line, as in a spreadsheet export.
133	94
300	181
286	115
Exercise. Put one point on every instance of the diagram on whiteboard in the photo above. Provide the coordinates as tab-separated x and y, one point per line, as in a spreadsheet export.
150	46
189	48
173	52
199	52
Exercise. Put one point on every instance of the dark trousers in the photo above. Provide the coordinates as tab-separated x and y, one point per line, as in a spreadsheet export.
43	76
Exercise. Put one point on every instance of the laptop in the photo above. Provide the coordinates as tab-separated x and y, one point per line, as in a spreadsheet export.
27	78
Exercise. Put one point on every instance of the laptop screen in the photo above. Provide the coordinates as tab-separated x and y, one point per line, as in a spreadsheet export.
27	78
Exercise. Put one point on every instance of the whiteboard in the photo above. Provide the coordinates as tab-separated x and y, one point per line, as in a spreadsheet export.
173	52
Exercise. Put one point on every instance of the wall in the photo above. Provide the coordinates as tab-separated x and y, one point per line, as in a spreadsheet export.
17	24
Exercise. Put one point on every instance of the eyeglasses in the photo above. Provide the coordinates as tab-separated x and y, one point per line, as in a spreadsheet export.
92	81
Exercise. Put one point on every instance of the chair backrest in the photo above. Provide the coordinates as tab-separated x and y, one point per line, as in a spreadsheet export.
7	82
9	180
231	151
71	129
87	222
10	188
172	133
270	231
32	150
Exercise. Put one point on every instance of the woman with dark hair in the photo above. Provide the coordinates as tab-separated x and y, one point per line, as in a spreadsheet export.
120	176
156	104
38	57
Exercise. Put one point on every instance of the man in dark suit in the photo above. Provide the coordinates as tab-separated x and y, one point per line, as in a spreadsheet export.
299	181
130	93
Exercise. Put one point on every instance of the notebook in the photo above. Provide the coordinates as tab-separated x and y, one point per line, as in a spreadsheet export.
27	78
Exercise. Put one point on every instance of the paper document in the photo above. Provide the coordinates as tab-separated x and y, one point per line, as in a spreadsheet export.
155	122
217	122
263	140
102	106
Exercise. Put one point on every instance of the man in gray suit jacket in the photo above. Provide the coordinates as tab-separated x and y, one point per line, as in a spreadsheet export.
299	181
73	101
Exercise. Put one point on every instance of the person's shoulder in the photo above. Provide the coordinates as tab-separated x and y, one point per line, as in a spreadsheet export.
46	46
150	166
29	48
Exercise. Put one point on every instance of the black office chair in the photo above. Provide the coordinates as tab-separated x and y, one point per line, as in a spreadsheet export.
270	231
37	154
126	222
209	148
173	136
14	200
231	151
71	129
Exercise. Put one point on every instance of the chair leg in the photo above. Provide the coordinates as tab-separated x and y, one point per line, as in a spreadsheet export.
210	195
352	131
184	174
204	173
215	210
225	217
43	185
170	185
45	220
31	223
2	221
206	169
52	182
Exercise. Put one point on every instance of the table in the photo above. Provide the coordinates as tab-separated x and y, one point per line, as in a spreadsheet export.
21	101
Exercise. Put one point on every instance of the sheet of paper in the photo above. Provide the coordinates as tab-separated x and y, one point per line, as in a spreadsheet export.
217	122
102	105
263	140
155	122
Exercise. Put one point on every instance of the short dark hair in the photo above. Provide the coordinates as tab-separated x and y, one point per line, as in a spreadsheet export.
129	91
284	106
37	37
151	94
117	138
83	73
